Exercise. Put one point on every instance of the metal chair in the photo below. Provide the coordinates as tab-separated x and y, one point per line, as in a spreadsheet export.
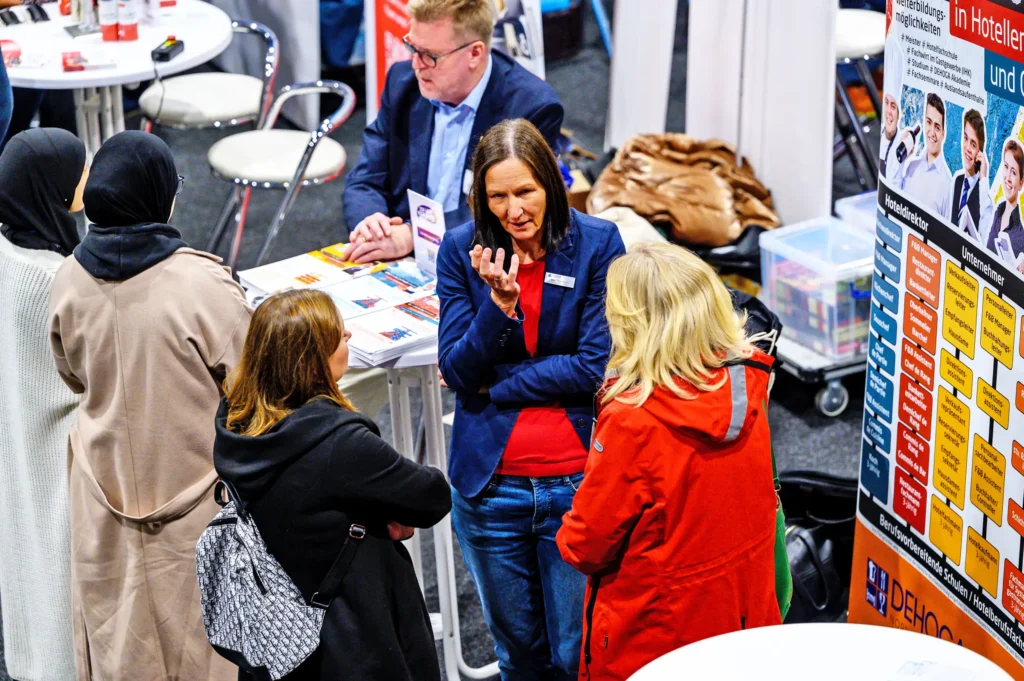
277	159
214	100
860	35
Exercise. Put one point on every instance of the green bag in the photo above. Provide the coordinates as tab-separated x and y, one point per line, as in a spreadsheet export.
783	577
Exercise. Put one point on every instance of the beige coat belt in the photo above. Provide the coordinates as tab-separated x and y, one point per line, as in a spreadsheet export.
175	508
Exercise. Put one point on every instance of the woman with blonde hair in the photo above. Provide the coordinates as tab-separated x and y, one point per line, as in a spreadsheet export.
682	445
307	467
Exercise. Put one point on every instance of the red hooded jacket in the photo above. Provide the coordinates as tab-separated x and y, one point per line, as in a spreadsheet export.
675	523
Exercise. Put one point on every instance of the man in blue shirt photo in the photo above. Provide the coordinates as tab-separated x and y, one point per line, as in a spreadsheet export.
925	177
433	111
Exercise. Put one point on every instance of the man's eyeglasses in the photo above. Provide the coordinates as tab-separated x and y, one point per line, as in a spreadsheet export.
431	59
181	183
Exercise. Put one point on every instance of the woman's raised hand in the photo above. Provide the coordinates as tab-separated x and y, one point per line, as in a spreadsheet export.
504	288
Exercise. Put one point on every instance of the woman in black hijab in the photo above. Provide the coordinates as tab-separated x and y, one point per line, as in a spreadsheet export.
129	199
145	329
42	173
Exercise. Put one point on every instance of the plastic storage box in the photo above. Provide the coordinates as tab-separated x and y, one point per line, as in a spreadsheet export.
860	211
817	277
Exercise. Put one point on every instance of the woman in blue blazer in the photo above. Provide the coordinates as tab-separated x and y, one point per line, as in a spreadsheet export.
524	344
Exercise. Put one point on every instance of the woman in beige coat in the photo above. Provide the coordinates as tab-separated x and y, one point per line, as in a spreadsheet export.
144	328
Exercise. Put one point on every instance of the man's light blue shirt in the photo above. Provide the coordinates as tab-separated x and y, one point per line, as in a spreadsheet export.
453	126
929	185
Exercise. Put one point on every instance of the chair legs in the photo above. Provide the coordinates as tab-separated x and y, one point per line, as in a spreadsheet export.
287	203
236	241
230	206
275	226
869	84
853	133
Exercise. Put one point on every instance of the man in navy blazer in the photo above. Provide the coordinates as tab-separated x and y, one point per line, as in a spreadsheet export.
433	111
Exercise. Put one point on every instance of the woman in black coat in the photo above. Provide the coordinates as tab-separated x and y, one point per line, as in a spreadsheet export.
307	466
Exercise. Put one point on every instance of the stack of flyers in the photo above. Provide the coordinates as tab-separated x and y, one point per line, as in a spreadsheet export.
388	334
369	294
406	277
316	269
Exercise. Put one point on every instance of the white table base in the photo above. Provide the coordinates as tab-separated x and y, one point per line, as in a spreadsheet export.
99	115
399	383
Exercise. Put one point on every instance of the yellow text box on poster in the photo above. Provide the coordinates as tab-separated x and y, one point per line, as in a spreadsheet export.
988	480
958	374
997	321
982	562
952	427
960	309
994	403
946	530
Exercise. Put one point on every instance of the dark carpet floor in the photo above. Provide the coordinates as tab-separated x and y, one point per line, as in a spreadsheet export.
803	437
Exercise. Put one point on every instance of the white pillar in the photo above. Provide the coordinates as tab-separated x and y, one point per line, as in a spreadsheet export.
643	35
779	107
713	54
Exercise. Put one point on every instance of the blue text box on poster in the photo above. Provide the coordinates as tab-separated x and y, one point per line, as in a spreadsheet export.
1003	77
878	433
878	394
889	232
884	325
882	355
874	472
887	262
885	294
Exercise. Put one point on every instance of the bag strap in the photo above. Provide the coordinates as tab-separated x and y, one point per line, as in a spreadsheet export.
798	583
760	366
331	583
752	363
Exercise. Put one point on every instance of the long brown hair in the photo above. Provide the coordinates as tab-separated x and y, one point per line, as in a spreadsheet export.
518	139
285	362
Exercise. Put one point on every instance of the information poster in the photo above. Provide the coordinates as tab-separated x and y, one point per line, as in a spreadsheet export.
940	536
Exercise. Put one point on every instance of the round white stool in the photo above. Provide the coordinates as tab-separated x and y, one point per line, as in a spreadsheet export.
215	100
262	157
277	159
860	33
200	100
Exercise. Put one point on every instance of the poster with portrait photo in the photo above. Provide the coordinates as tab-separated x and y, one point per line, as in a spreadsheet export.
940	512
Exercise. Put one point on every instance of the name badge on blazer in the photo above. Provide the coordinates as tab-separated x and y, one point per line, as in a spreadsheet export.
559	280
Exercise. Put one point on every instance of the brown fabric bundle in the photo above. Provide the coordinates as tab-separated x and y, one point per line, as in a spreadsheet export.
694	187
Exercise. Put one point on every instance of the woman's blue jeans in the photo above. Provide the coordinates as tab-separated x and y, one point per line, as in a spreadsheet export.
532	600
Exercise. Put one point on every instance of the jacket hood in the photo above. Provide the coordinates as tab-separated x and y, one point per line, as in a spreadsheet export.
253	463
722	415
119	253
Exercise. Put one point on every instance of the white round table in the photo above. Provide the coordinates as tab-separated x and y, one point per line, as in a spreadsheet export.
205	30
811	652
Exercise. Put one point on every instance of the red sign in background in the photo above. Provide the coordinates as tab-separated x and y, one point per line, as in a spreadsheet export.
999	29
391	22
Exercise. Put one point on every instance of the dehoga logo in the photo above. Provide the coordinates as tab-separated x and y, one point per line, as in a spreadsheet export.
902	607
